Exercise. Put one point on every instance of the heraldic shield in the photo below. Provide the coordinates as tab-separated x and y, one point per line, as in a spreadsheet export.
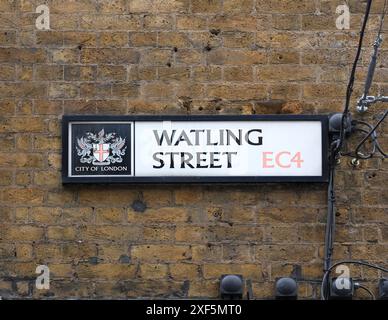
101	153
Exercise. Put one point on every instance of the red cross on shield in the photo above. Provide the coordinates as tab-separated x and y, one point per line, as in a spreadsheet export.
101	151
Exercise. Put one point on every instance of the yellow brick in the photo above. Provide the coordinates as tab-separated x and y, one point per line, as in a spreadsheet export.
142	73
21	214
24	196
286	6
61	233
189	197
65	55
77	252
289	253
60	21
49	38
24	251
7	251
35	124
238	22
113	6
155	233
156	57
189	56
7	107
60	197
106	271
72	6
63	90
236	57
183	271
172	39
160	253
111	73
24	73
263	290
286	73
47	215
110	22
214	271
238	74
125	90
22	55
6	177
61	270
155	198
191	234
23	288
204	289
48	252
77	215
109	215
153	271
174	73
321	90
238	6
158	5
88	39
114	196
140	39
105	233
54	161
48	107
47	178
23	142
207	252
185	22
108	289
23	233
171	215
80	73
112	252
20	269
158	22
159	90
113	39
7	72
238	39
206	6
246	92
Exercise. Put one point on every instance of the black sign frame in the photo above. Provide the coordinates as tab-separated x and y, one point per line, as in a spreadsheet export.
67	119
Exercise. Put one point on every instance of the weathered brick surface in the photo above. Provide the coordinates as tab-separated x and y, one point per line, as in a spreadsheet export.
175	57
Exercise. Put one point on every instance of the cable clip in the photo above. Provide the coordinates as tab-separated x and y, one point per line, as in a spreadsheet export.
355	162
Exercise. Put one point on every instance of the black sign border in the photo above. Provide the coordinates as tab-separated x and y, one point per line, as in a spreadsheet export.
66	119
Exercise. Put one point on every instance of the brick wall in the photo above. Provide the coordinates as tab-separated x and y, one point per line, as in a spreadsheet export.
176	57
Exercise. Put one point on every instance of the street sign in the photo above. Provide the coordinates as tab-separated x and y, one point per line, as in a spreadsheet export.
194	149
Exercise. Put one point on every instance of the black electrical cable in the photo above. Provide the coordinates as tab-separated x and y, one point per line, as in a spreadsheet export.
369	154
357	262
385	9
375	139
370	133
330	222
375	143
349	89
360	286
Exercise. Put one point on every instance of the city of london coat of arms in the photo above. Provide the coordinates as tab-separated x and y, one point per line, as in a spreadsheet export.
101	149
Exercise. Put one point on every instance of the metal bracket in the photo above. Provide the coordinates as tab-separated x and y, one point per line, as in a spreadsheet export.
364	102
